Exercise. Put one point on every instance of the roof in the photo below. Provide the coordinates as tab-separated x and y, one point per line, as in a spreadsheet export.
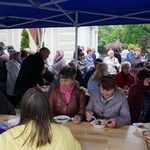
71	13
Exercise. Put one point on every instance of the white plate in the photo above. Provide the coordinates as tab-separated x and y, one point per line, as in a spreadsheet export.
138	128
96	125
147	126
62	119
44	89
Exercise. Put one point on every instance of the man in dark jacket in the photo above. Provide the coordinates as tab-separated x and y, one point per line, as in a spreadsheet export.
31	72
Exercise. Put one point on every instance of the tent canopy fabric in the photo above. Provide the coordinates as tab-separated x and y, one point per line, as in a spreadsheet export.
72	13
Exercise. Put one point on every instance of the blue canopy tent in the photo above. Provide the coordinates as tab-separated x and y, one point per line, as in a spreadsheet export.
72	13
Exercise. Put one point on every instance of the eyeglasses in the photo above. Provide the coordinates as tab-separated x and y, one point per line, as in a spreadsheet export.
126	67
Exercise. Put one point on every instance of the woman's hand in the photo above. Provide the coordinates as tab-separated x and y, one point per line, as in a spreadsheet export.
77	119
44	70
114	65
86	66
89	116
92	66
146	81
111	123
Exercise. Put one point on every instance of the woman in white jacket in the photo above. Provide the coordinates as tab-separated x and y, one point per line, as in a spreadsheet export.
112	62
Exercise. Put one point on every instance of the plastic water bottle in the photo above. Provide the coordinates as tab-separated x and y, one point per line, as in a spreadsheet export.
5	125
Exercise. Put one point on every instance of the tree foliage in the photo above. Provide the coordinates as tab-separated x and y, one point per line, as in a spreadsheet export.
115	45
127	34
133	46
25	41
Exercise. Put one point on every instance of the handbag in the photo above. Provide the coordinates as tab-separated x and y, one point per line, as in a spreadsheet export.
116	69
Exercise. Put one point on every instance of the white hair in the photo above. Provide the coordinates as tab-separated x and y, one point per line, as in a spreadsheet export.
125	64
110	52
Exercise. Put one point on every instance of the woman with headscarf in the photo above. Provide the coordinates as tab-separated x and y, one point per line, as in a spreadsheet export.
58	62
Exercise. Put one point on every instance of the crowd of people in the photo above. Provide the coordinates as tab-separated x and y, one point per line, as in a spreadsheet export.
118	90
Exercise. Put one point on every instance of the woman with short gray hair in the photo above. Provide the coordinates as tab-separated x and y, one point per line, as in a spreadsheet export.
112	62
125	64
125	78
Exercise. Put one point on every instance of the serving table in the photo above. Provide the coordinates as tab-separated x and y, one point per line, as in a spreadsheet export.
123	138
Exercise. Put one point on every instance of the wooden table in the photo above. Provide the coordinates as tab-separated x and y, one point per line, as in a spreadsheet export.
123	138
90	138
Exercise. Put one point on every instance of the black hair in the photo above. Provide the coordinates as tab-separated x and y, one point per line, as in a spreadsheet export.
143	73
108	82
80	53
98	60
66	72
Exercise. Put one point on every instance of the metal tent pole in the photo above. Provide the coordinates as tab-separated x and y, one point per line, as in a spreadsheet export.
76	37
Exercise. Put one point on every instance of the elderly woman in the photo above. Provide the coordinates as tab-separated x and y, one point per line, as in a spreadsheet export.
101	70
125	78
136	61
112	62
89	61
67	98
108	103
13	68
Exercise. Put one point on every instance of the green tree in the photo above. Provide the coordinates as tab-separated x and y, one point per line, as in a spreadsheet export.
108	34
135	34
25	41
133	46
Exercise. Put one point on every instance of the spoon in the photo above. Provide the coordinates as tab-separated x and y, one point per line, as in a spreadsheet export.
71	119
91	115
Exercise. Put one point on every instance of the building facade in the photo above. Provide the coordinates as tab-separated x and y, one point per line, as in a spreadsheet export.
55	39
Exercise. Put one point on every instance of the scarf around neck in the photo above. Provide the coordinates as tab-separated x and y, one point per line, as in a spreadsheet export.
105	101
67	93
